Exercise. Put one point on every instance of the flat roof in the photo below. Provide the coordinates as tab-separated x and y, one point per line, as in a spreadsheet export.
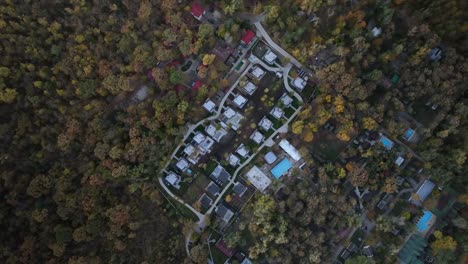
270	157
277	112
257	137
270	56
249	88
182	164
266	123
290	149
173	178
299	83
258	72
242	150
281	168
240	100
258	179
248	37
209	105
423	192
229	112
233	160
199	137
286	99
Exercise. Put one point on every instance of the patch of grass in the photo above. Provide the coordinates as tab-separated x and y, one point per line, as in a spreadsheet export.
327	145
288	112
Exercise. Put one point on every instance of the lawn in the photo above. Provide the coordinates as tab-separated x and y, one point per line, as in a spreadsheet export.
327	146
196	189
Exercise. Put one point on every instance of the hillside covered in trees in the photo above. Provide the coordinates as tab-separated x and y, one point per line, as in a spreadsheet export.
93	101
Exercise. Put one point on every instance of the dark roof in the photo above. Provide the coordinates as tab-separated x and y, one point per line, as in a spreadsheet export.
197	10
221	210
344	254
239	189
220	175
212	188
367	250
221	245
205	201
248	36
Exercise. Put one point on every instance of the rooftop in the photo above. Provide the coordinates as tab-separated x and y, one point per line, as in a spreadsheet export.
212	189
258	72
197	10
257	137
173	179
205	201
229	112
199	137
221	245
220	175
182	164
249	88
423	192
290	149
270	57
399	161
216	132
270	157
225	213
299	83
197	84
239	189
234	160
209	105
258	178
242	150
206	144
277	112
286	100
248	37
266	124
240	100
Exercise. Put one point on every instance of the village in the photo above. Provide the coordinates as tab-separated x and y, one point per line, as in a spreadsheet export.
243	146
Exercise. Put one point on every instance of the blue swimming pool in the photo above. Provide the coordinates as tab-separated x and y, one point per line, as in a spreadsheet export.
423	223
281	168
387	143
408	133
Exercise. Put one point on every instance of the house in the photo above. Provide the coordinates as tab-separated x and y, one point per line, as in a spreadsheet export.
212	189
193	154
242	151
270	57
367	250
257	137
299	83
277	112
286	100
248	37
173	179
290	149
199	138
223	247
345	254
205	201
270	157
239	101
206	145
197	85
197	11
209	106
220	175
234	160
182	164
215	132
258	72
399	161
422	193
249	88
232	118
258	178
224	213
376	31
266	124
239	189
435	54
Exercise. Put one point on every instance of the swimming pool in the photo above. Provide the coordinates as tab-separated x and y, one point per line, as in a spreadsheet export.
281	168
423	223
387	143
408	134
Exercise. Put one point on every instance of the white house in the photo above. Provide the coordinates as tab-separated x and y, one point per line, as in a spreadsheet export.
240	100
270	57
173	179
257	137
234	160
258	72
286	100
182	164
258	178
242	151
209	106
266	124
290	149
215	133
299	83
277	112
249	88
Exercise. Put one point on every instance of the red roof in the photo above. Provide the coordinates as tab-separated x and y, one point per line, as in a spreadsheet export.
221	245
197	84
248	36
197	10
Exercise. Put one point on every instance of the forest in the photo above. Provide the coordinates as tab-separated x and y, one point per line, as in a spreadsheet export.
93	101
